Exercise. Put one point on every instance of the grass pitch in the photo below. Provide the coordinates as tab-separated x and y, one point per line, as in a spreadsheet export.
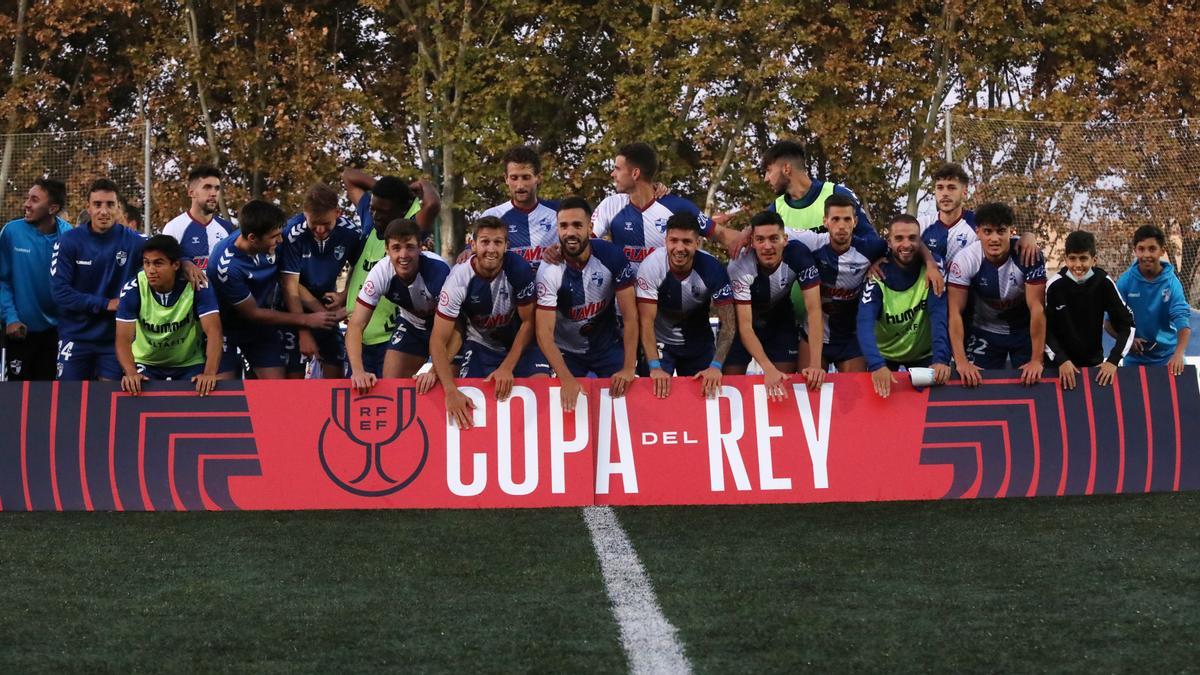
1015	585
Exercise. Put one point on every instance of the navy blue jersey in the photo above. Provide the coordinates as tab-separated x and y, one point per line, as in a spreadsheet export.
86	271
585	298
196	239
236	276
319	262
683	304
489	305
531	232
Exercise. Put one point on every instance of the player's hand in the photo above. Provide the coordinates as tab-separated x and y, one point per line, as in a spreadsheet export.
362	382
340	314
774	379
308	344
552	254
1139	346
1027	249
660	190
970	373
710	379
1031	373
721	219
875	271
1176	364
16	330
502	378
661	381
132	383
459	407
320	320
941	373
425	382
464	256
112	304
619	383
1107	372
937	280
570	392
736	240
1066	375
333	299
883	379
205	384
195	276
814	377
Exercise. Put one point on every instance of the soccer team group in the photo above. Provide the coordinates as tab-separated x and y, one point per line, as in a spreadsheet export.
559	288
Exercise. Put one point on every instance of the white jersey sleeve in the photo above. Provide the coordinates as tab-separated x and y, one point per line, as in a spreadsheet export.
608	209
549	280
176	226
454	290
812	240
651	274
376	284
966	265
742	272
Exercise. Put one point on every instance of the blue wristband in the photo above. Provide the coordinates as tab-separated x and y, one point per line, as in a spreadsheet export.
715	364
654	363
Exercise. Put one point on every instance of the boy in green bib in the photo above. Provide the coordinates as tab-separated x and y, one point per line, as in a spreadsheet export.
901	321
160	318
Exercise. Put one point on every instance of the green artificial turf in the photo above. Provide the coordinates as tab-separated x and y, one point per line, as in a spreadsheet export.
1095	584
492	591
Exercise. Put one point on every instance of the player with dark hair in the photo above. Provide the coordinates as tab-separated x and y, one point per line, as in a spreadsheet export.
160	317
1160	308
1077	298
531	221
676	286
762	277
952	228
1009	324
492	292
245	277
199	229
90	266
636	217
27	304
379	202
577	325
901	320
319	244
411	280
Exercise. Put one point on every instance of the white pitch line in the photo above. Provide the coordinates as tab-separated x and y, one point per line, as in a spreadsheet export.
649	640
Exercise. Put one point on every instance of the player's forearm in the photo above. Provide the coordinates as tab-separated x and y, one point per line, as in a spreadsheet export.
310	302
1037	334
629	338
649	344
124	348
272	317
749	338
545	340
520	342
956	336
816	338
1181	343
354	335
440	356
726	331
212	345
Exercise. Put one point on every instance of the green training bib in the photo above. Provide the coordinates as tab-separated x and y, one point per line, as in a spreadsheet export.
166	336
904	330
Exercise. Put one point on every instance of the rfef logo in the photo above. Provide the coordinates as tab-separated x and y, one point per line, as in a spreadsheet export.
373	456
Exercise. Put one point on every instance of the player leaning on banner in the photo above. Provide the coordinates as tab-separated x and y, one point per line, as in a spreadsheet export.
1009	324
159	322
901	320
577	325
1159	305
409	279
762	277
493	293
1077	298
676	285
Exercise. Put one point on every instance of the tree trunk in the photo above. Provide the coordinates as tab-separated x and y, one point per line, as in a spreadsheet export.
916	145
15	72
449	201
739	127
189	15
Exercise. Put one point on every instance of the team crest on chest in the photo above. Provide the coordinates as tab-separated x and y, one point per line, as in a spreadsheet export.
122	258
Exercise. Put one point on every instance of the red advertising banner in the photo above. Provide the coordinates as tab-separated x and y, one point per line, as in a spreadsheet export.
317	445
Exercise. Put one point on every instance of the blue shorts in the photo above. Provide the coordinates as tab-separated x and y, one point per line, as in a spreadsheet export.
841	347
261	348
781	343
372	358
683	360
476	360
602	363
80	360
408	339
330	348
171	373
991	351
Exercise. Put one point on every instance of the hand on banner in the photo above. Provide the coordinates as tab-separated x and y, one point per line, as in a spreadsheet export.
620	381
570	393
814	377
661	381
970	373
425	382
1031	373
132	383
883	379
710	379
205	384
1107	372
459	408
774	379
362	382
941	373
1176	364
1066	375
503	379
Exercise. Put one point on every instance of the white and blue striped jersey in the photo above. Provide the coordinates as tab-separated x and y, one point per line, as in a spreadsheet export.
196	239
998	290
683	303
947	242
768	292
638	232
585	298
489	305
530	233
415	300
842	277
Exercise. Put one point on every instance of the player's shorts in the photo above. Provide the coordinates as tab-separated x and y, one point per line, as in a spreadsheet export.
372	358
841	347
80	360
916	363
780	342
601	363
261	348
408	339
171	373
684	360
992	351
330	348
476	360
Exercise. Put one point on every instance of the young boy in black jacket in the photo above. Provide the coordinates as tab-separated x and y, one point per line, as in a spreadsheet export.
1077	298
